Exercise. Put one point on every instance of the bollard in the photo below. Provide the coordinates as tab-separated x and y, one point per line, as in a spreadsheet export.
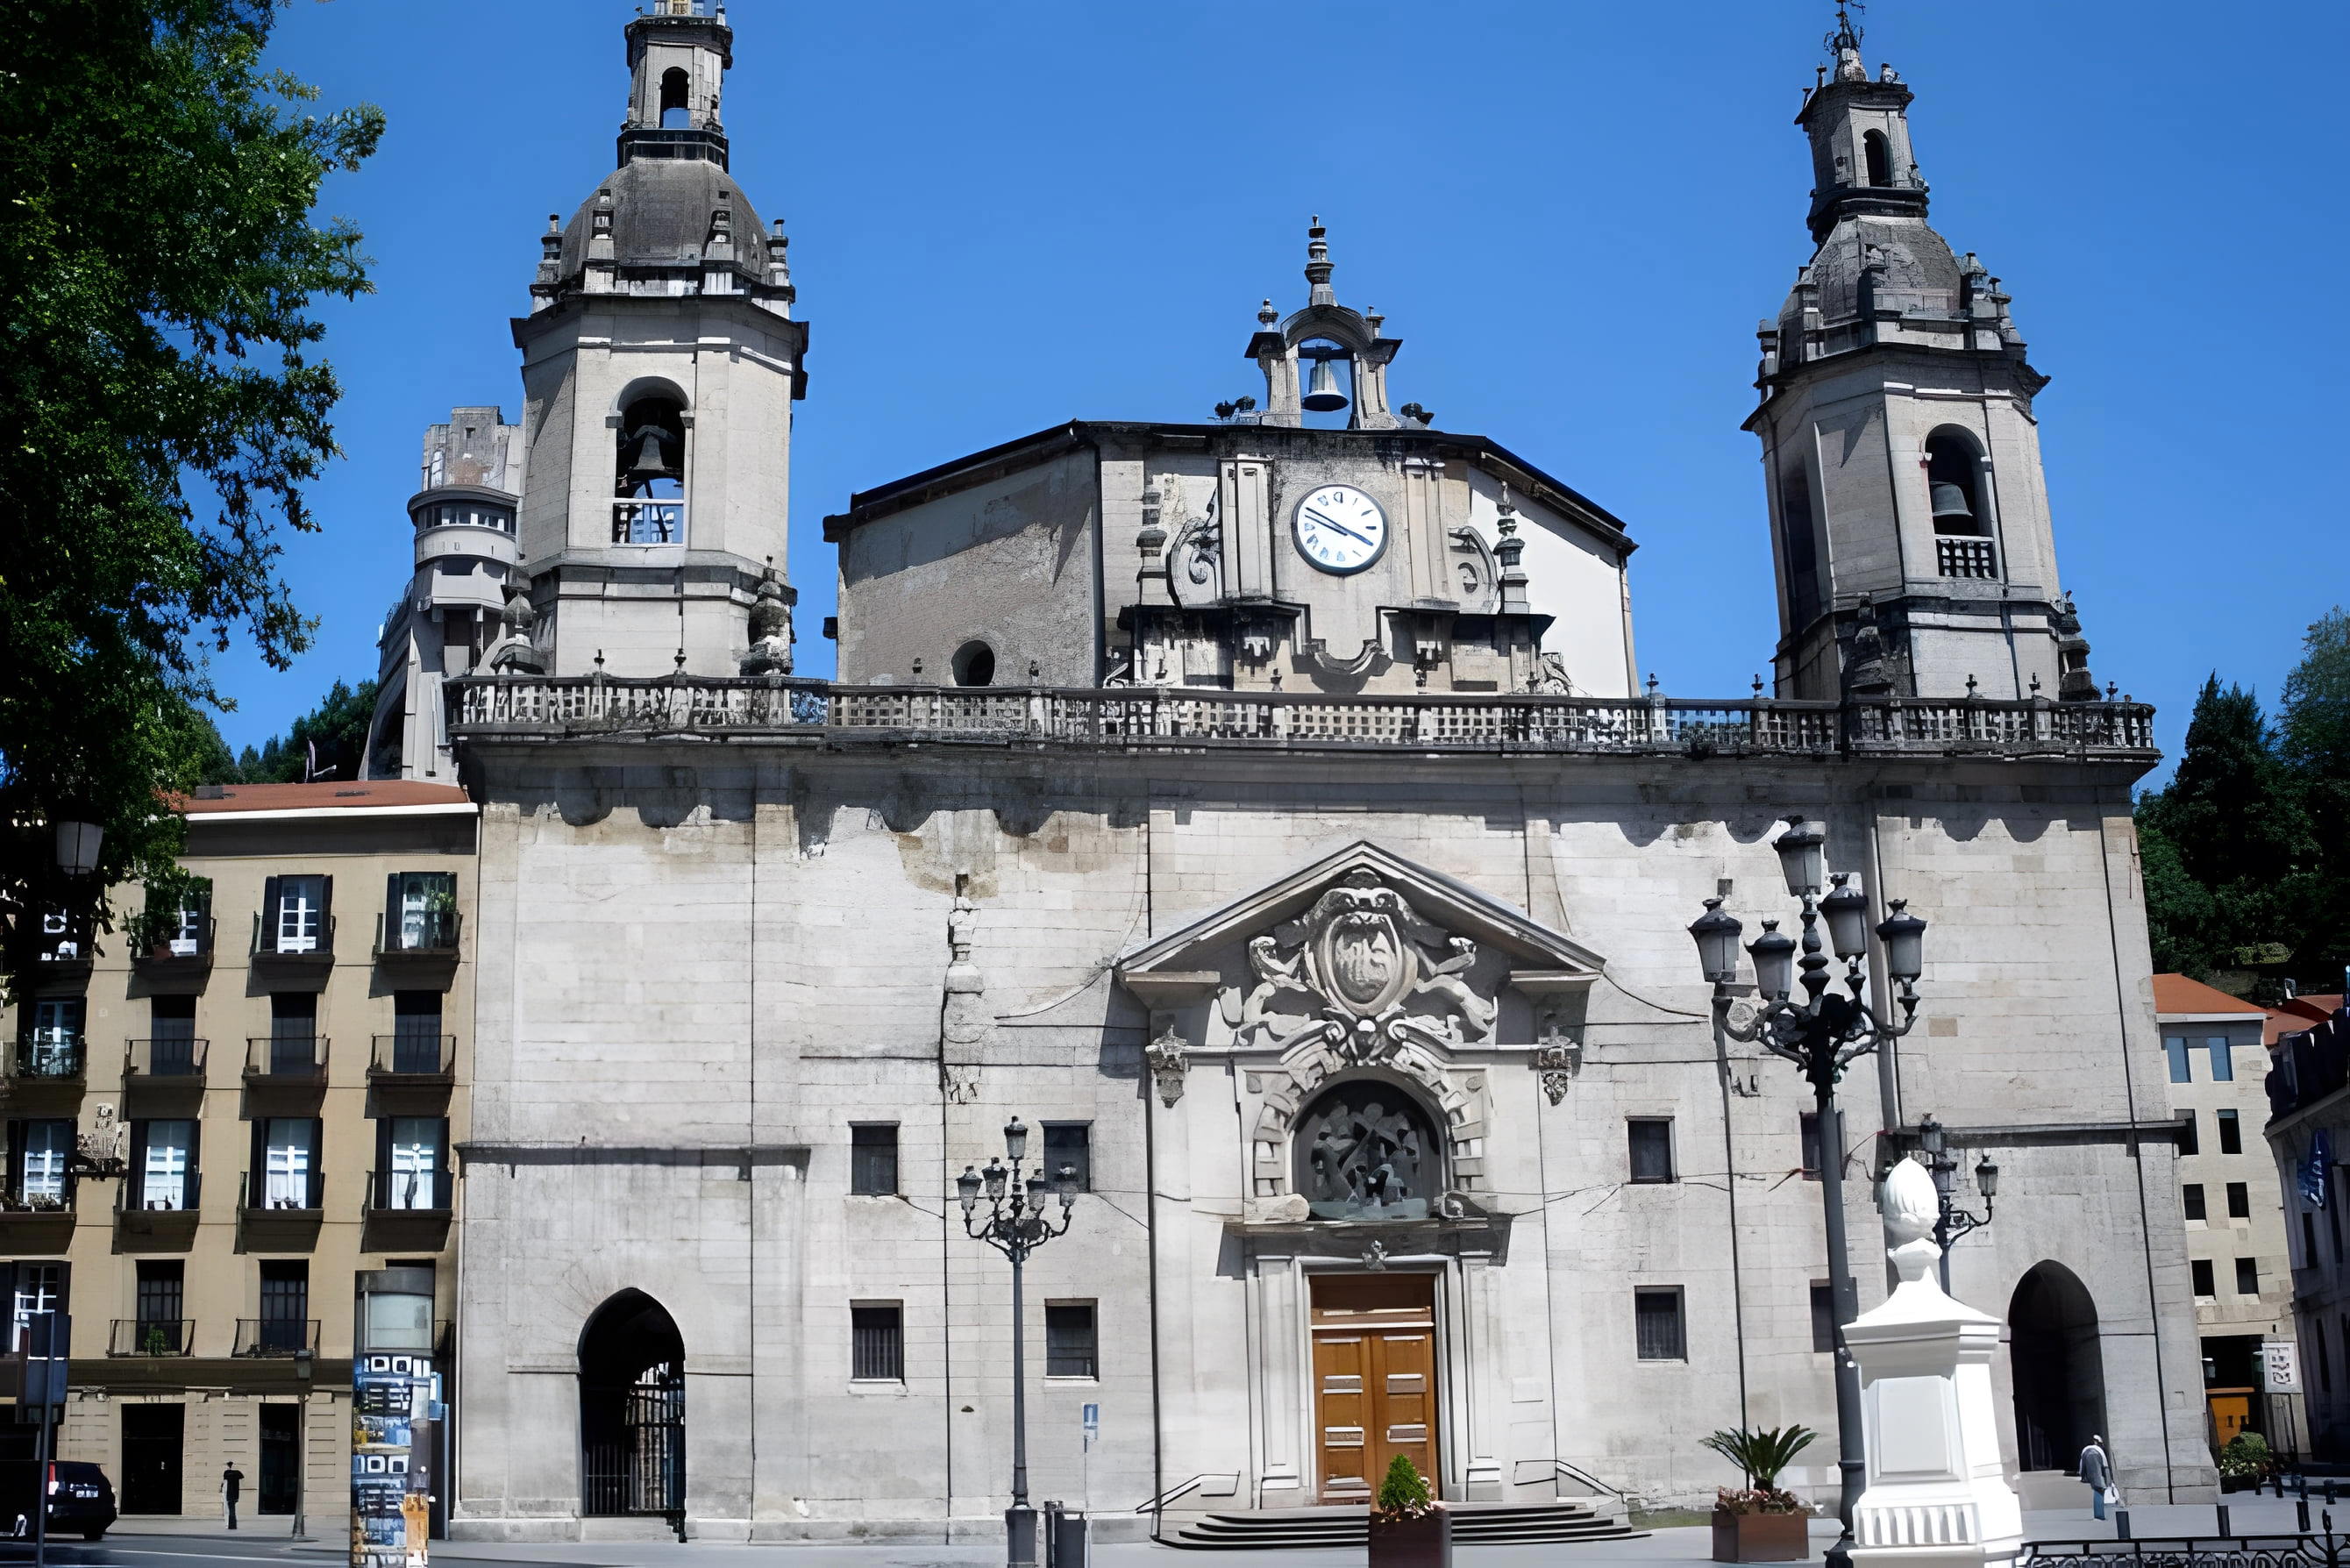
2300	1515
2329	1492
2278	1477
2121	1524
2224	1531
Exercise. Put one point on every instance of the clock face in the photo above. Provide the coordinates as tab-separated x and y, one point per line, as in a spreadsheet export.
1340	529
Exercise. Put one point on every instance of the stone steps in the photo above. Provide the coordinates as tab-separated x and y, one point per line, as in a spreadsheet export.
1474	1524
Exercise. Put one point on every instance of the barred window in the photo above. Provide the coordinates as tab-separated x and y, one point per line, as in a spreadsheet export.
873	1157
1069	1342
1651	1140
1657	1316
878	1335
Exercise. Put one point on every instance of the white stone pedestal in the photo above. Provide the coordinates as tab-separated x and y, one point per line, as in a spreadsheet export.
1937	1494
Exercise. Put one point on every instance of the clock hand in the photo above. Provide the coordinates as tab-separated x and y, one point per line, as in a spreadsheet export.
1341	527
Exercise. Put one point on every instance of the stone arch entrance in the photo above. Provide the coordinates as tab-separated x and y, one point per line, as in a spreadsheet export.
1365	1150
632	1410
2057	1366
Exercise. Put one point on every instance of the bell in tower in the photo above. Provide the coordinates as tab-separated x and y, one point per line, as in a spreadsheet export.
1323	393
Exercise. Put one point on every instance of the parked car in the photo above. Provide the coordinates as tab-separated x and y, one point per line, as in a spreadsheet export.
81	1499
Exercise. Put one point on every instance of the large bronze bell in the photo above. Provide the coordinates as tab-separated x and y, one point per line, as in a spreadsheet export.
1951	513
656	457
1322	393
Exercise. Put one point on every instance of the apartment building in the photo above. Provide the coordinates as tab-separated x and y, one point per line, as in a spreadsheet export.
218	1115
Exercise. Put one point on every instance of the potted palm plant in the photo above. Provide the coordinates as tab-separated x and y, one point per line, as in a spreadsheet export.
1409	1528
1761	1523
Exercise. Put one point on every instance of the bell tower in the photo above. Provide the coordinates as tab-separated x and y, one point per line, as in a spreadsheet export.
660	365
1901	452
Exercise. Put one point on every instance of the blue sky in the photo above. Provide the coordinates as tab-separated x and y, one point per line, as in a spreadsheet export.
1572	214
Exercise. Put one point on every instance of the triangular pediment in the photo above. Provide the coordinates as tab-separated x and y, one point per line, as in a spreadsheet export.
1436	908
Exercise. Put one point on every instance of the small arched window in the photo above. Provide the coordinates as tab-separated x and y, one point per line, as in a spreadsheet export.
1954	481
1365	1150
974	665
674	114
649	475
1878	154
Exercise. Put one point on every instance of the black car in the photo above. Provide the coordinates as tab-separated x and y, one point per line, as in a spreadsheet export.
81	1499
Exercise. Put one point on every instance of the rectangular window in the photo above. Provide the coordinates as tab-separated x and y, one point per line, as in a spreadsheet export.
2190	1200
163	1162
2223	1065
878	1351
161	1307
873	1158
1823	1317
420	911
2239	1200
284	1305
42	1148
1657	1321
1070	1144
286	1162
186	921
2248	1276
1651	1140
39	1287
294	1032
416	1032
2190	1142
171	1036
296	923
1069	1350
2200	1270
2232	1133
53	1041
1811	1132
413	1152
2175	1047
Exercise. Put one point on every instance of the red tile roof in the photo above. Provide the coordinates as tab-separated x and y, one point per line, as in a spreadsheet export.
2300	1012
327	795
2177	994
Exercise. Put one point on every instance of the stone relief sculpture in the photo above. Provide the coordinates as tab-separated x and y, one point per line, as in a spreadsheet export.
1348	972
1365	1152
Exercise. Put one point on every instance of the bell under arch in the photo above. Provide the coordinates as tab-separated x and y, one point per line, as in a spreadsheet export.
1366	1149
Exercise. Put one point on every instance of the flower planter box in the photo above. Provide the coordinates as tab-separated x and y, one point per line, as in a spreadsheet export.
1422	1543
1761	1537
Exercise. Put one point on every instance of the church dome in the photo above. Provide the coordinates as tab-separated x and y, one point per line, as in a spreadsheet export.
1921	276
664	213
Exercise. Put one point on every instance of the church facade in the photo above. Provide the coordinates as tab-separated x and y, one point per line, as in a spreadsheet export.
1267	815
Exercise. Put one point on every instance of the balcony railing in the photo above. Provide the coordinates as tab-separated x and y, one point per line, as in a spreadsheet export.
420	1058
648	521
167	1059
276	1336
1132	718
152	1193
51	1055
1964	555
287	1058
406	935
292	1192
152	1336
420	1192
268	942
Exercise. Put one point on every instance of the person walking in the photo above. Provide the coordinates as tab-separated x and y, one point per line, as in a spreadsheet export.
233	1483
2096	1474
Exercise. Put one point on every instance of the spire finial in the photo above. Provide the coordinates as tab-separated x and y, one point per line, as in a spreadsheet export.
1844	44
1318	263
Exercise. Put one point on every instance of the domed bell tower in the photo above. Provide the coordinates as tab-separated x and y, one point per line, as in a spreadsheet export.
660	365
1901	452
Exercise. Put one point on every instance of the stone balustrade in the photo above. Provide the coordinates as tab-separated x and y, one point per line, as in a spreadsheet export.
540	707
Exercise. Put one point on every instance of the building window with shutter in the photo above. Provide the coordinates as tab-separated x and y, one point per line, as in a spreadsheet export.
52	1039
877	1343
161	1327
39	1287
163	1164
873	1158
416	1034
293	1034
284	1320
419	912
1656	1322
412	1162
1070	1144
296	921
285	1163
1651	1140
42	1146
1069	1344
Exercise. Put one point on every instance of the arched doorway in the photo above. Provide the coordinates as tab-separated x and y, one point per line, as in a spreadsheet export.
632	1410
2058	1368
1365	1150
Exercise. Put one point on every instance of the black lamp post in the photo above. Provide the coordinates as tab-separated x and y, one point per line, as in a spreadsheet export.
1017	1223
1954	1221
1821	1034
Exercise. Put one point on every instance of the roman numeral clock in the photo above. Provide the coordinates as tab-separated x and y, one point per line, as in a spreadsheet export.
1339	529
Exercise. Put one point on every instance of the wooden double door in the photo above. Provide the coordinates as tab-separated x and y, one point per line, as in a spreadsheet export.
1374	1380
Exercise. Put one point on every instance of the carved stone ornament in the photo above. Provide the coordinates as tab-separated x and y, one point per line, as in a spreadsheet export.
105	1150
1557	1057
1374	1256
1347	971
1168	1056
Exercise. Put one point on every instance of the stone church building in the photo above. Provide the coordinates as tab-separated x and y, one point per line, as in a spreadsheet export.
1268	813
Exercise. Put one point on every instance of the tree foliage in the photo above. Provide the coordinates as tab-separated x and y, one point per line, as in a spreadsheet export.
2246	853
335	731
158	262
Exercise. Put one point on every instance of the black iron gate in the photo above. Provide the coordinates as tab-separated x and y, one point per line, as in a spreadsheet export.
644	1471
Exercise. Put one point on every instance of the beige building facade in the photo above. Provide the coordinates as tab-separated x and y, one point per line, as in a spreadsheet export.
216	1118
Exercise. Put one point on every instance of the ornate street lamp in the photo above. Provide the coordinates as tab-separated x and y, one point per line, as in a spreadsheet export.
1954	1221
1018	1222
78	843
1822	1033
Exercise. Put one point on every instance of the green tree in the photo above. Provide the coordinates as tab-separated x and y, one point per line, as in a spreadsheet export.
2313	736
158	262
338	730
